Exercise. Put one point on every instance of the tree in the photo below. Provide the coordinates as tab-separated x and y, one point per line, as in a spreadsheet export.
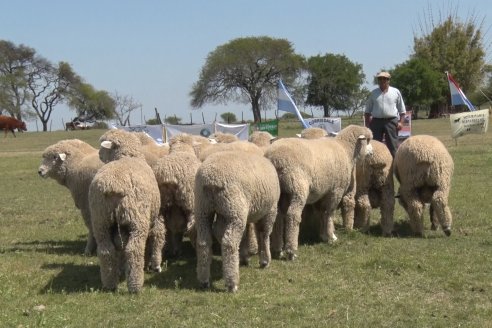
357	101
172	120
88	101
14	62
228	117
333	81
246	70
48	85
419	83
124	106
454	46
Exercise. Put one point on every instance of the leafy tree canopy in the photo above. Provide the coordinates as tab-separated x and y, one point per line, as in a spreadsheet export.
246	70
333	81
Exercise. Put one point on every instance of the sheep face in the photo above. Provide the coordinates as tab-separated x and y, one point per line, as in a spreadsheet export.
53	166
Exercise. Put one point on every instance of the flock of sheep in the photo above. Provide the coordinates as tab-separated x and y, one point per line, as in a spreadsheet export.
138	200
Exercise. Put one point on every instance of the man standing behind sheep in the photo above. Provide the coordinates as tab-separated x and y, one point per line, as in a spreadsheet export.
385	111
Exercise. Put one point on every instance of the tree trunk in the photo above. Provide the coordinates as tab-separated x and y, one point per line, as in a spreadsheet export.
326	111
255	105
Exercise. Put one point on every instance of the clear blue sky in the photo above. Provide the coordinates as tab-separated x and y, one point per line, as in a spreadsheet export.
154	50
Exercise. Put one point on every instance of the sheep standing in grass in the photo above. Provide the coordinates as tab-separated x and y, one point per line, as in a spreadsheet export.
73	163
150	149
238	188
124	202
375	188
313	133
243	146
424	169
175	175
315	171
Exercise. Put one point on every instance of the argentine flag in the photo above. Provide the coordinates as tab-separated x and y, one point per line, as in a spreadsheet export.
285	103
457	96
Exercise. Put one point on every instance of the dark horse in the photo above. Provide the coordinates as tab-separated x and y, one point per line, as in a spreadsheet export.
10	124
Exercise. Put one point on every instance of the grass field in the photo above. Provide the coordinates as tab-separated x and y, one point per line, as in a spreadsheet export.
361	281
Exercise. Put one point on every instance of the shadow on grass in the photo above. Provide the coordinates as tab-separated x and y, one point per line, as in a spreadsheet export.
73	278
180	272
57	247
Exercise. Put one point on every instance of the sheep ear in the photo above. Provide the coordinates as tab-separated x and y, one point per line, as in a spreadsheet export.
212	140
273	139
106	144
62	156
298	135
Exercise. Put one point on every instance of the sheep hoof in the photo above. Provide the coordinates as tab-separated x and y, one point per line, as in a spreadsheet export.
264	264
447	232
244	262
433	227
291	256
232	289
277	255
205	285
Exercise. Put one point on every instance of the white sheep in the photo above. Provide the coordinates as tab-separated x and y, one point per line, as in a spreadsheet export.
375	188
124	202
243	146
73	163
424	168
150	149
315	171
313	133
175	175
238	188
262	139
223	137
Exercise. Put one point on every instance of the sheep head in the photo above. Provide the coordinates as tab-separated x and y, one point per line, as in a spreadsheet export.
117	143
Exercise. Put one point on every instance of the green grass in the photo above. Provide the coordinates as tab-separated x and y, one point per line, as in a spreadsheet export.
361	281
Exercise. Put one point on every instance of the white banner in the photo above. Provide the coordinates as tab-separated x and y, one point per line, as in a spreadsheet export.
153	131
239	130
204	130
329	124
475	122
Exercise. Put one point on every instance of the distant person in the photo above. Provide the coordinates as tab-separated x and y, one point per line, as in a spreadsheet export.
385	112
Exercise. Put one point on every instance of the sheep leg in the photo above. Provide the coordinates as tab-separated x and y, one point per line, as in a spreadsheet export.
108	260
135	260
277	238
91	245
415	209
263	230
231	239
155	244
327	227
203	229
362	213
244	247
433	218
387	209
441	209
292	222
348	205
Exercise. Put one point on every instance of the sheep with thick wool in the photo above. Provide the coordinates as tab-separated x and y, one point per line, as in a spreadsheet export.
124	202
224	137
150	149
234	188
73	163
313	133
375	188
175	175
424	168
315	171
262	139
240	145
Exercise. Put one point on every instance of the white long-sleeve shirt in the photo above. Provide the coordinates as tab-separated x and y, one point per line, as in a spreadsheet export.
385	105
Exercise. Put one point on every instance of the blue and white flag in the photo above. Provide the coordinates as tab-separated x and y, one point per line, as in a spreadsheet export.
457	95
285	103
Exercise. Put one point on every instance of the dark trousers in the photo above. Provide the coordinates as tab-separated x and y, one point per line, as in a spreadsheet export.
387	128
